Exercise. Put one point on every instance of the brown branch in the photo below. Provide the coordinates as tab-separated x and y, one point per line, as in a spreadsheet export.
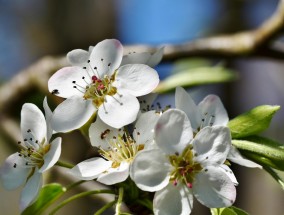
247	43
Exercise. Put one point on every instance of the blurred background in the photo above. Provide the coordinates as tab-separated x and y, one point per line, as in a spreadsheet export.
30	30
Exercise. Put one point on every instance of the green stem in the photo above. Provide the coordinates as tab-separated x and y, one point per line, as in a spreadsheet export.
64	164
107	206
71	186
80	195
119	201
146	203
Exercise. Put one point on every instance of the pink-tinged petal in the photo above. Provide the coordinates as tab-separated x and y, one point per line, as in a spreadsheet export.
71	114
236	157
33	123
52	156
115	175
212	145
31	190
90	169
173	132
173	200
48	116
229	173
213	188
150	170
14	172
78	57
144	127
213	111
62	83
106	57
101	133
185	103
136	79
119	111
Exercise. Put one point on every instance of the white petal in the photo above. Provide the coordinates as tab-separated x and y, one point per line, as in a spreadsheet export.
150	170
229	173
214	188
150	59
90	169
32	119
115	175
156	57
185	103
136	58
236	157
72	114
78	57
31	190
212	145
136	79
52	156
61	83
210	106
147	101
48	116
144	132
13	177
173	132
106	56
100	133
173	200
119	111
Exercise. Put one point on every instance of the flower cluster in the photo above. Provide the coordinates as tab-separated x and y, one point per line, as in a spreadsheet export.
176	153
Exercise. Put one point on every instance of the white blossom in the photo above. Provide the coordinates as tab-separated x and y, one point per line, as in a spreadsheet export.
96	82
36	154
182	167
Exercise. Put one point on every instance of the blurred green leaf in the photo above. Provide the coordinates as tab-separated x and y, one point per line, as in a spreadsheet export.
48	194
253	121
196	76
262	150
228	211
189	64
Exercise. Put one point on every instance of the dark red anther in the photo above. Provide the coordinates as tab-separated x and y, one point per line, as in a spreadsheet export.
101	87
94	78
189	185
175	182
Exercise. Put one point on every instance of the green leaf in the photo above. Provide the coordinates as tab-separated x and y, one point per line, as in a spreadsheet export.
262	150
190	63
196	76
228	211
253	121
274	175
48	194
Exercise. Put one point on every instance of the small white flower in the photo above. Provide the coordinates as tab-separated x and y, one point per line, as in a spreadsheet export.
118	149
36	154
182	166
97	83
209	112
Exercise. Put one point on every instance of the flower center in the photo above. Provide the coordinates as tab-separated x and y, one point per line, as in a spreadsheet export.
99	88
185	168
32	151
122	148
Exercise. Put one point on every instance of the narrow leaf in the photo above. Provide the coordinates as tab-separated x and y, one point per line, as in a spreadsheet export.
189	64
196	76
48	194
228	211
253	121
262	150
274	175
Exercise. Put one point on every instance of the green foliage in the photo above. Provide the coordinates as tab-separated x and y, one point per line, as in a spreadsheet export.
253	121
274	175
48	194
196	76
262	150
228	211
